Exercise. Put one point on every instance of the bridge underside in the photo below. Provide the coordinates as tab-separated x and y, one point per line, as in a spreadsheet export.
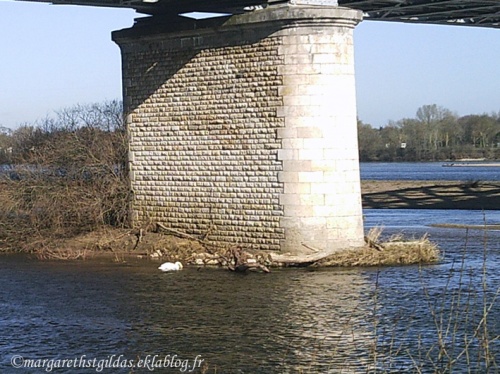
482	13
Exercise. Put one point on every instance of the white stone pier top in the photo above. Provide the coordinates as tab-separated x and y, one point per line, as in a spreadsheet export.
322	195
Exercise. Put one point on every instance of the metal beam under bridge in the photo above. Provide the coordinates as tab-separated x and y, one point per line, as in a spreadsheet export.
482	13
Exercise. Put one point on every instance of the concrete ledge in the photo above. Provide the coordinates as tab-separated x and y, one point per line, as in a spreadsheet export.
279	16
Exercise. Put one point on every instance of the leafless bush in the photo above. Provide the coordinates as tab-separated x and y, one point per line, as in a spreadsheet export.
70	175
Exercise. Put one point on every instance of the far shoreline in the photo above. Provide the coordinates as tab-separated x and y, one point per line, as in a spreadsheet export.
442	194
471	164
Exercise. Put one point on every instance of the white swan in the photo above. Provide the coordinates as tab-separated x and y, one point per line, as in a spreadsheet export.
169	266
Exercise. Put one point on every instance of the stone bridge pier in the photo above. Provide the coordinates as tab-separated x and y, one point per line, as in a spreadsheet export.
243	129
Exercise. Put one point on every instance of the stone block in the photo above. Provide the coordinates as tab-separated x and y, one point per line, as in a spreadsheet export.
299	210
290	199
326	166
310	154
288	177
292	143
288	154
296	166
312	199
309	132
314	143
297	188
310	176
284	133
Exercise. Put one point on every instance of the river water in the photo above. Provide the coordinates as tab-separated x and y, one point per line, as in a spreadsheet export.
428	171
288	321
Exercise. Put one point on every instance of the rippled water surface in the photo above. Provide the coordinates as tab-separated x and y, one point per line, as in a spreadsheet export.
427	171
288	321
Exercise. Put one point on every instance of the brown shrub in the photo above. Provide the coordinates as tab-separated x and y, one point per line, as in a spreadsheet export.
70	177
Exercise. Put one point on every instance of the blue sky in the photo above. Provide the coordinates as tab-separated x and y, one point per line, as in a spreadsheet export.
53	57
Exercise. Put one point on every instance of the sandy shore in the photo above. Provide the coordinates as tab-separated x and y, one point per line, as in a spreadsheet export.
430	195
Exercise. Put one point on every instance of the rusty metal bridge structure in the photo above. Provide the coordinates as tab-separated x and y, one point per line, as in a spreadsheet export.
482	13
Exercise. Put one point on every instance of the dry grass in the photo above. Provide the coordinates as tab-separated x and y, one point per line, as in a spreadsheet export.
395	251
37	208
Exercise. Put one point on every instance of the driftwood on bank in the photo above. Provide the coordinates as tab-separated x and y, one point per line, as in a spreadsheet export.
302	259
318	255
235	258
373	244
239	260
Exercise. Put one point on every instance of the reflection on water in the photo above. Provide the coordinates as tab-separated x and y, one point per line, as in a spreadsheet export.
325	320
253	323
288	321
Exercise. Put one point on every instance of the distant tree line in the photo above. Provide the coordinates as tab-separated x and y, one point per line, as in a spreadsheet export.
86	134
435	134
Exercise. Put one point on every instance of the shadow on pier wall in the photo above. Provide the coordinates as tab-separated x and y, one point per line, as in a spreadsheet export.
154	50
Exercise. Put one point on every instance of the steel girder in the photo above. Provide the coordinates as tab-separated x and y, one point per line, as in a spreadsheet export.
484	13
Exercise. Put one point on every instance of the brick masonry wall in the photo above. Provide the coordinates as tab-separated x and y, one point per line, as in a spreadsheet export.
203	137
244	130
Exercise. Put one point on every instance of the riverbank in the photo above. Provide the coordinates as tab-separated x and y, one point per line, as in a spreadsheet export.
121	245
430	195
118	244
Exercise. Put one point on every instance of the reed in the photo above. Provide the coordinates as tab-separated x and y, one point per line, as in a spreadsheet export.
459	338
452	335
